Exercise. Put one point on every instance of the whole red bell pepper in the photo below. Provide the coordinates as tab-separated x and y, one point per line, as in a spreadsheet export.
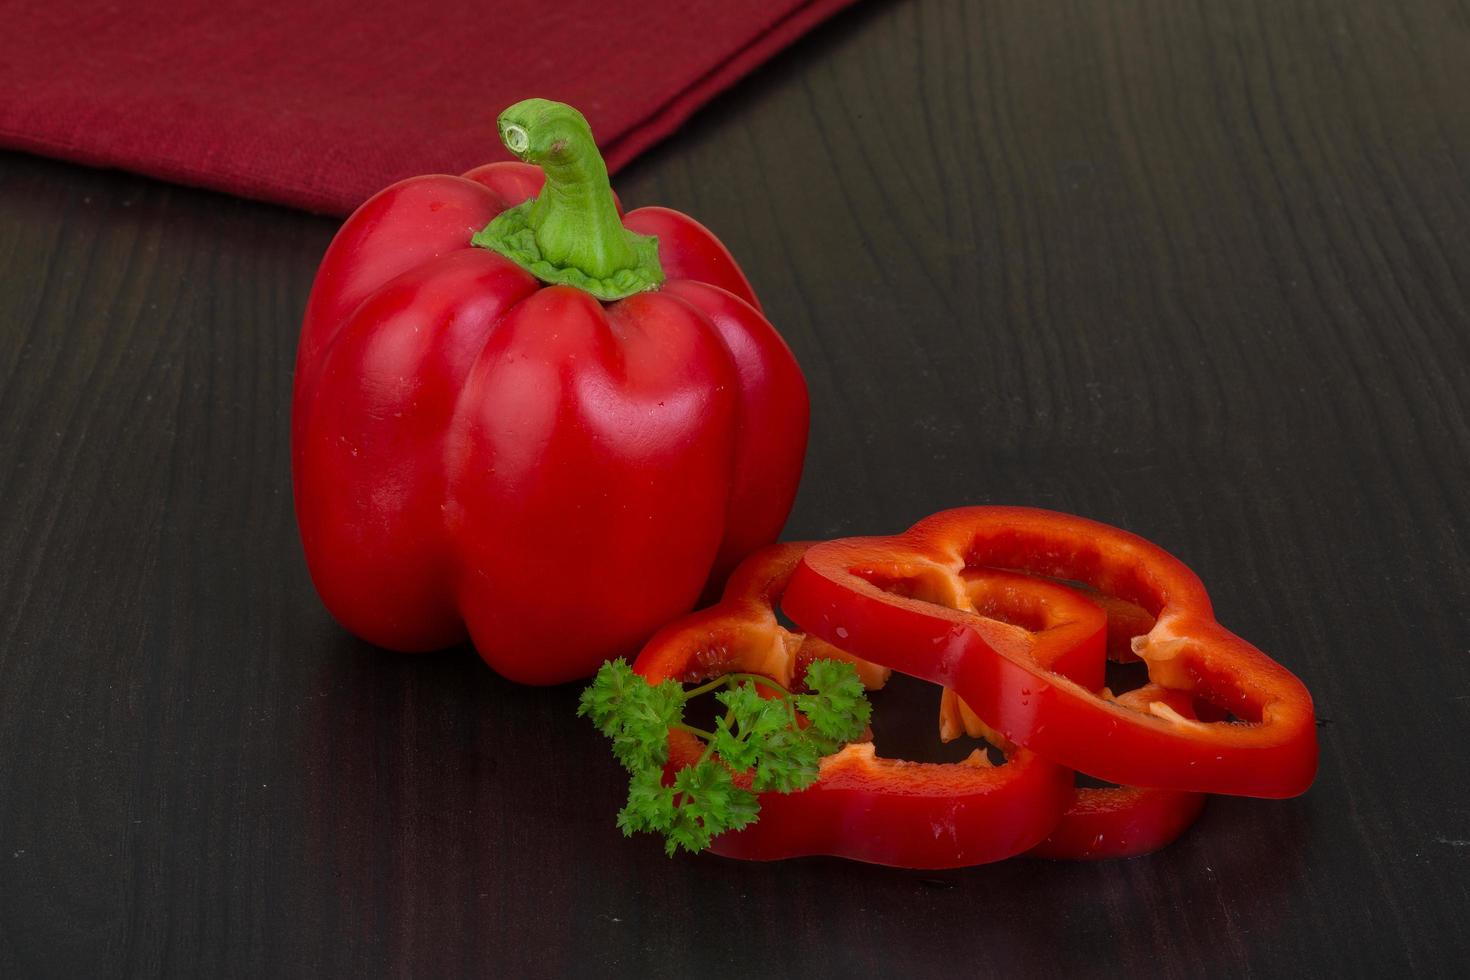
524	418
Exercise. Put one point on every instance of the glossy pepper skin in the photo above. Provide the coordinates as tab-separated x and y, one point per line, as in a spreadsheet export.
486	452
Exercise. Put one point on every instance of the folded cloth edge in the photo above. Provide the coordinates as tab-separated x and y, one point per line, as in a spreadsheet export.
619	151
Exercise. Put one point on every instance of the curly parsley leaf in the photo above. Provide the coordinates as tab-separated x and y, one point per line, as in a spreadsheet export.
759	733
788	761
758	718
636	715
709	804
838	707
650	805
604	697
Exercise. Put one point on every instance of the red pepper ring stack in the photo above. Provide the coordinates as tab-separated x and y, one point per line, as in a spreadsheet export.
1114	822
918	815
862	807
1102	822
875	597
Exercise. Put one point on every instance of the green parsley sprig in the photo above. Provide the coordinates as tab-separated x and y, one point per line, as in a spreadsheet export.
759	735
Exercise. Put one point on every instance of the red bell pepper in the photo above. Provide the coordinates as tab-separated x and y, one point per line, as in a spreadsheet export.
522	418
872	596
862	807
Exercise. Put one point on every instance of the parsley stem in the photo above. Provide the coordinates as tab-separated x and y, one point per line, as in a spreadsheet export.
721	681
733	679
763	679
757	679
709	750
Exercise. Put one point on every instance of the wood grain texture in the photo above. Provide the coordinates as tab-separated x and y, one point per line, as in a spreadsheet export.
1201	270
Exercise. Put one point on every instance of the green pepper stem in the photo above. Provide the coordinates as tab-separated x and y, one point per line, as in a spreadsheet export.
570	233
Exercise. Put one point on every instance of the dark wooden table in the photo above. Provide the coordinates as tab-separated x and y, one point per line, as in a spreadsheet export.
1199	270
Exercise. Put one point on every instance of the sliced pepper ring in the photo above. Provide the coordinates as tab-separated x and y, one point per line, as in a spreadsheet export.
862	807
1120	822
856	593
1110	822
1101	822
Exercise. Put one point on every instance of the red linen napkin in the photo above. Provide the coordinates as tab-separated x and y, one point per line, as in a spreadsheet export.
320	103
